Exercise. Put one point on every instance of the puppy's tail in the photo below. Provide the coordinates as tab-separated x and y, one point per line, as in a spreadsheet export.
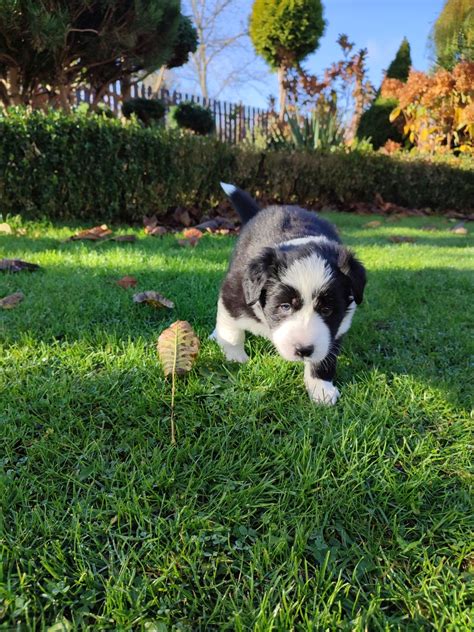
243	203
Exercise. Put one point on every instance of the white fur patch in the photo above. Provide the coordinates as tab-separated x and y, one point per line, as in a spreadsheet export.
308	275
320	391
301	241
347	320
230	333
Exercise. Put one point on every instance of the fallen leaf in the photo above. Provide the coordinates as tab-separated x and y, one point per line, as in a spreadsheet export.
429	228
92	234
6	229
459	229
401	239
191	236
126	282
154	299
128	238
217	225
177	348
182	216
17	265
152	228
374	224
9	302
158	231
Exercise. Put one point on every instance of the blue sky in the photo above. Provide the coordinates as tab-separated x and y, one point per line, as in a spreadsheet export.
378	25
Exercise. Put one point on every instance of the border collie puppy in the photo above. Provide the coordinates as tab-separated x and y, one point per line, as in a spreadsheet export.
291	281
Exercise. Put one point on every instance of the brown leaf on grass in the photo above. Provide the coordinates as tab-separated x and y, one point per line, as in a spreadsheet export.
429	228
6	229
126	282
154	299
191	236
217	225
17	265
459	229
177	348
182	216
128	238
401	239
92	234
9	302
458	215
374	224
152	228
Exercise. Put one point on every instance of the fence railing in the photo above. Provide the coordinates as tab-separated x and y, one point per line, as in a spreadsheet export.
234	121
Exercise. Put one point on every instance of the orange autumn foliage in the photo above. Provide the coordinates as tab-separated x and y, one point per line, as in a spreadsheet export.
438	109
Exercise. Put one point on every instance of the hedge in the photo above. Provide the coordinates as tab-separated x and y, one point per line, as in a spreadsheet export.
89	167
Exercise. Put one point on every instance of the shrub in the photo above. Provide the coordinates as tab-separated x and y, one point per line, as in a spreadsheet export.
148	111
89	167
194	117
375	123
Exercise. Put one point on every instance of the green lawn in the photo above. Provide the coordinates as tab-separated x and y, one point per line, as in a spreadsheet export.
270	513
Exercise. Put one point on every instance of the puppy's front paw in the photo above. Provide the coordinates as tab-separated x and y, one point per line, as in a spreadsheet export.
322	392
233	353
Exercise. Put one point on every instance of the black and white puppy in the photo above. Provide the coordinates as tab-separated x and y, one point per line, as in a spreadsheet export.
292	281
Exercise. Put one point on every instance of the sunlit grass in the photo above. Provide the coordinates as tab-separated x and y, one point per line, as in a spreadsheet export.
270	513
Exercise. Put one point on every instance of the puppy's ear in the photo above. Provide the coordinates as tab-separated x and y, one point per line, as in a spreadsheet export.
257	274
352	268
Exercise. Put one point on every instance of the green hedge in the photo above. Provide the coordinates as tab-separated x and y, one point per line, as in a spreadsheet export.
89	167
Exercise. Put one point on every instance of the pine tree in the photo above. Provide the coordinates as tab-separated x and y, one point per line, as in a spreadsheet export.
284	32
400	66
48	48
375	122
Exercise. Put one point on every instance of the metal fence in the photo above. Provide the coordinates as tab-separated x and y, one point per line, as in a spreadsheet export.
234	121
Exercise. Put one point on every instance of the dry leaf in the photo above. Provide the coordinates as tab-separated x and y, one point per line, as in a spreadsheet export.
401	239
152	228
92	234
128	238
6	229
182	216
219	225
17	265
459	229
158	231
126	282
177	348
9	302
154	299
374	224
191	237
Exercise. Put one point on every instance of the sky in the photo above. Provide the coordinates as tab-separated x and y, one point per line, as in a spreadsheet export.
378	25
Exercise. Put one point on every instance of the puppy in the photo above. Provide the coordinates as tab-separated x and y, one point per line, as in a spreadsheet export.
291	281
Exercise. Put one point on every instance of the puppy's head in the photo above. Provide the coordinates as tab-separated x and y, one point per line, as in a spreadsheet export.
307	295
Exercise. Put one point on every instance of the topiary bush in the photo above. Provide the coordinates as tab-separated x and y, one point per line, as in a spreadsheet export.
194	117
89	167
375	123
148	111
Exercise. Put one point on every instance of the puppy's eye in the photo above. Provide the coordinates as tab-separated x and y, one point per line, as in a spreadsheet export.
285	308
325	311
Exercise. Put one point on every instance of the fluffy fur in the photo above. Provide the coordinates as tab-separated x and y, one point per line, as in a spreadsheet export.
291	280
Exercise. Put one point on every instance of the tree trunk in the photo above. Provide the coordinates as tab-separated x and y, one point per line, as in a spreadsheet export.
126	88
283	91
14	85
64	95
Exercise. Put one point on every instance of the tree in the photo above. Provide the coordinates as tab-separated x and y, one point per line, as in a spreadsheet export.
222	56
400	66
452	37
284	32
375	121
46	49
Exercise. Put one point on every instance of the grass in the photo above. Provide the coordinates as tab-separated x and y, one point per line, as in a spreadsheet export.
270	513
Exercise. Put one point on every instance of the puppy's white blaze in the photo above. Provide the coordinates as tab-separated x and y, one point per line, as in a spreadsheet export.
303	328
347	320
301	241
309	276
228	188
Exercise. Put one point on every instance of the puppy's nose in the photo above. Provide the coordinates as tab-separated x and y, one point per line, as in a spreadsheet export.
304	351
